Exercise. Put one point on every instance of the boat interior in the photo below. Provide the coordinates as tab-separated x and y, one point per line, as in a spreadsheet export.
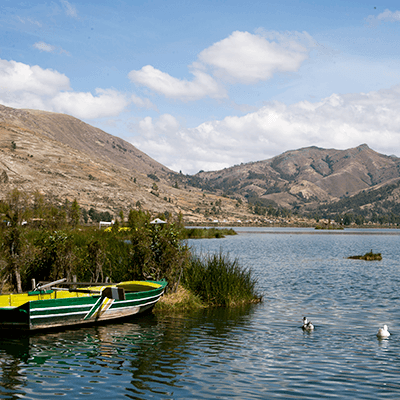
48	291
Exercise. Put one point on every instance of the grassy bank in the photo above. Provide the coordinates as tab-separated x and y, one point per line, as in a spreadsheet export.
206	233
180	301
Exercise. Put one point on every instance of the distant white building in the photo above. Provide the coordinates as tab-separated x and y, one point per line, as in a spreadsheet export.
103	224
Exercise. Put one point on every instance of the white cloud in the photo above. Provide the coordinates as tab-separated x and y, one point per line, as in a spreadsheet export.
25	86
70	10
29	21
16	78
85	105
42	46
241	58
142	102
338	121
246	58
388	15
202	85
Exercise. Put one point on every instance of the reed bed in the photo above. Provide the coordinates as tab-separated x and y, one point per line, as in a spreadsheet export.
207	233
220	281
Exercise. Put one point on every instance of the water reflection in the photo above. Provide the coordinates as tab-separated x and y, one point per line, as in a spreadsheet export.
139	357
255	352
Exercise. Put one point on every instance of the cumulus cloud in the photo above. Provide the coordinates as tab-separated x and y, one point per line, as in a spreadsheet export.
25	86
85	105
202	85
240	58
247	58
338	121
16	78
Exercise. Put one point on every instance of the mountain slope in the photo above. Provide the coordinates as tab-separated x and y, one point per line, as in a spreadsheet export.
304	176
83	137
65	159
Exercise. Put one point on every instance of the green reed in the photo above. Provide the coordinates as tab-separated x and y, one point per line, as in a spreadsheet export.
218	280
206	233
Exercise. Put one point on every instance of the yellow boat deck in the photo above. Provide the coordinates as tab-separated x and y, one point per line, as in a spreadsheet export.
16	300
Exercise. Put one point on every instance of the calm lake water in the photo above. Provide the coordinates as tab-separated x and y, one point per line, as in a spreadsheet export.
256	352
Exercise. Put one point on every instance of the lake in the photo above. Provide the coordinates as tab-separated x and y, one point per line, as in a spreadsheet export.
254	352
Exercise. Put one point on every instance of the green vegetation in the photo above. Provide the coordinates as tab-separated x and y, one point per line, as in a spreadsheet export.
180	301
46	242
373	206
219	281
368	257
329	227
206	233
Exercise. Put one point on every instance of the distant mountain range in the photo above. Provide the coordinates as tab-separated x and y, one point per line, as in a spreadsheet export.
65	158
313	180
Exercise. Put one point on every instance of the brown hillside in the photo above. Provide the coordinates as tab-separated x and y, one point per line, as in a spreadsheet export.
308	175
66	159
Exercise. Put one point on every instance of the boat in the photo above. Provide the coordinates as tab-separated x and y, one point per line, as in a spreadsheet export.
49	306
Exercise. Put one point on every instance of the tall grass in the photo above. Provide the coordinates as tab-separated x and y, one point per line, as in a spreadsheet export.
218	280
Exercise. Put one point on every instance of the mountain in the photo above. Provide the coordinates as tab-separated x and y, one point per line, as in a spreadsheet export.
80	136
65	159
306	179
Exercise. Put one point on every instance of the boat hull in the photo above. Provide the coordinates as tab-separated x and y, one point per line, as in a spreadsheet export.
64	312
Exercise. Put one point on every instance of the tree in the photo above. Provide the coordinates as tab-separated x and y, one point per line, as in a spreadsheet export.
15	210
121	216
74	213
56	256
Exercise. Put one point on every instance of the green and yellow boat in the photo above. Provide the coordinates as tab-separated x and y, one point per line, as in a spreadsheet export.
50	306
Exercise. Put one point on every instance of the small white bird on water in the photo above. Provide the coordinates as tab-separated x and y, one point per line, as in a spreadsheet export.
383	332
307	325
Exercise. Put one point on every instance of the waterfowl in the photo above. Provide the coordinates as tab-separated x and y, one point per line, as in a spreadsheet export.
307	325
383	332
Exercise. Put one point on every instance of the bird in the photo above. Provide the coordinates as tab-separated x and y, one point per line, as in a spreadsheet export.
307	325
383	332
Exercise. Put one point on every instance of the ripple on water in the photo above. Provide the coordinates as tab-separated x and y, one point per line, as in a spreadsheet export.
255	352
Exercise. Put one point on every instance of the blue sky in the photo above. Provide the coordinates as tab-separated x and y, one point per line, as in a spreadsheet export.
207	85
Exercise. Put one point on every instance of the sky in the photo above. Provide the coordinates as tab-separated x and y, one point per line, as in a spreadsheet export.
211	84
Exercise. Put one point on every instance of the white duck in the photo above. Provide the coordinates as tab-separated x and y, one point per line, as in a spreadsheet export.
383	332
307	325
